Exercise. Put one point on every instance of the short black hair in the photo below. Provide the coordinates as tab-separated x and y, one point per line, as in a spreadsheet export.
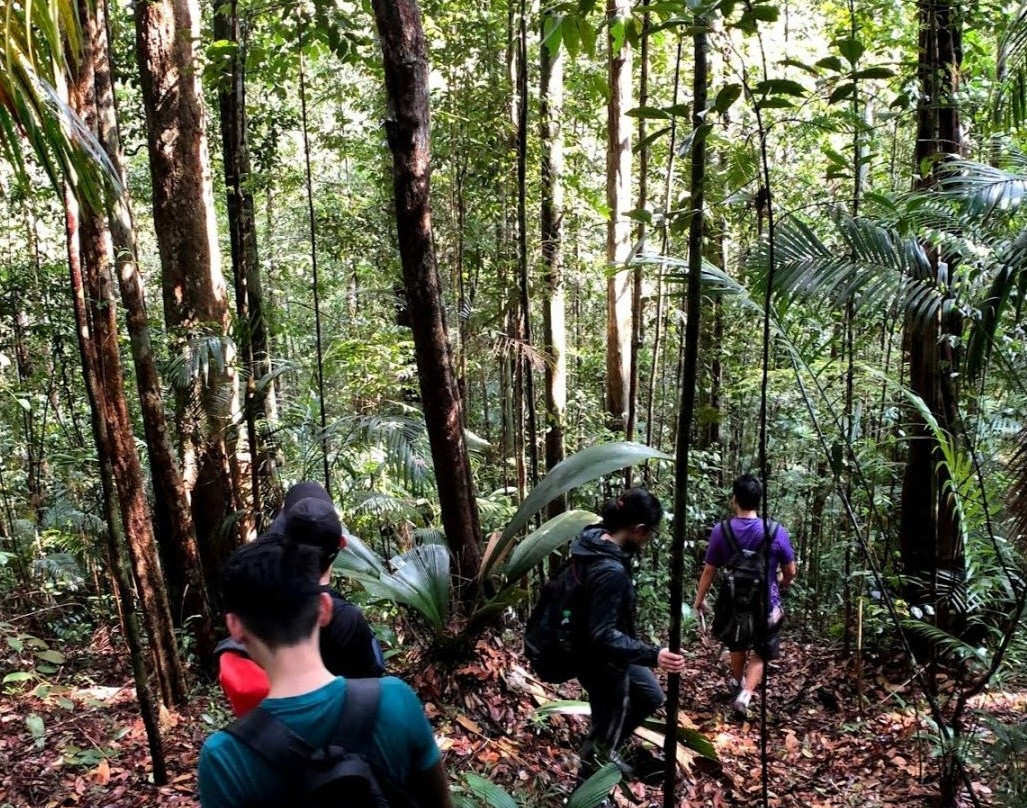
271	585
636	506
747	491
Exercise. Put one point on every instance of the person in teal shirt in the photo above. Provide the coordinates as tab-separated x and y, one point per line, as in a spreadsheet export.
276	609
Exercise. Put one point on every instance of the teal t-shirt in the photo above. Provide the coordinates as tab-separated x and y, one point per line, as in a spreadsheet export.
231	774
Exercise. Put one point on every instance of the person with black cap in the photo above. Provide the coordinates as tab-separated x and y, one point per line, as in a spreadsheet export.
348	646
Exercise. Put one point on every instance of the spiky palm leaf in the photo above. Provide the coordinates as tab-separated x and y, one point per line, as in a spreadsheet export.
32	65
865	264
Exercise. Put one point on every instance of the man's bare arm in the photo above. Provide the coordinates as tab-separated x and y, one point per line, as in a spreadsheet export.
787	574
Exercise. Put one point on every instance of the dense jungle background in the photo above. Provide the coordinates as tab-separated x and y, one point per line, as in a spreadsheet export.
663	243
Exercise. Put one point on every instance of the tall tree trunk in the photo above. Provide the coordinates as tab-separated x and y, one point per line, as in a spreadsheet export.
523	280
195	307
407	129
101	367
173	522
618	228
686	410
553	314
249	295
122	582
928	528
637	304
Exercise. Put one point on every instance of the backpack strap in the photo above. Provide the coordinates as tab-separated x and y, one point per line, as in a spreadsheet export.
281	748
356	724
732	539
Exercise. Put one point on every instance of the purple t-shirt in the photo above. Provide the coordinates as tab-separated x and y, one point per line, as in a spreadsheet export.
749	533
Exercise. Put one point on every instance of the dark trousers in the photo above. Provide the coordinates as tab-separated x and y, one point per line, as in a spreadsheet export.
620	700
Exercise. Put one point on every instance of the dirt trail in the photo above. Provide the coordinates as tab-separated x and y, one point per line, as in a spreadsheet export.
78	741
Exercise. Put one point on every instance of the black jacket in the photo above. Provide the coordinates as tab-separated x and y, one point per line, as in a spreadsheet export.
348	646
608	630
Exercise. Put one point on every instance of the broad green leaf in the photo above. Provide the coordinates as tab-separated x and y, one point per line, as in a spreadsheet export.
56	657
841	92
36	727
488	791
580	468
779	87
775	102
16	644
19	676
830	63
536	546
648	112
422	581
563	707
358	557
689	738
875	73
726	97
851	49
596	788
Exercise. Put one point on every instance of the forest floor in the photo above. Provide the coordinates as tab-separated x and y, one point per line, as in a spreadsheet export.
76	739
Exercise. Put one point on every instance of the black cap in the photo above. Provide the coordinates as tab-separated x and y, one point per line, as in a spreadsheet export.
313	521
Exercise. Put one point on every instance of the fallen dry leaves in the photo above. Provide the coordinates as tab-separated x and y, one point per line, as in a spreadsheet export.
820	753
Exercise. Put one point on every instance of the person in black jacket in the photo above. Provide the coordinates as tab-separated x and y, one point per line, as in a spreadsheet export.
348	646
615	664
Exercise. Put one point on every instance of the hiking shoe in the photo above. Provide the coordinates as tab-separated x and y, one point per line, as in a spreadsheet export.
734	687
740	706
626	768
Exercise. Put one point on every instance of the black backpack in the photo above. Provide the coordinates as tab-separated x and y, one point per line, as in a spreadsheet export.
335	775
741	599
553	624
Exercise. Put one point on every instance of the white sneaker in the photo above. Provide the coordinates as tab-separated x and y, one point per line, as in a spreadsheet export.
741	704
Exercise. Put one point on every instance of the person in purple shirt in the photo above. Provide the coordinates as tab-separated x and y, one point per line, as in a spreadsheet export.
749	529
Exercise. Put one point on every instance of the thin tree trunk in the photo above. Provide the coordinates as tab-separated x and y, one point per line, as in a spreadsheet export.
618	228
528	378
87	255
122	582
249	295
89	242
195	305
173	522
407	129
637	304
688	393
928	528
554	316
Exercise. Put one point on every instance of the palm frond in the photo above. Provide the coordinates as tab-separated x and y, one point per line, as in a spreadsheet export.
61	569
867	265
37	37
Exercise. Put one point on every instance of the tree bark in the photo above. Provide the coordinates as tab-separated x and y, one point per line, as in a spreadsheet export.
258	401
407	129
618	228
173	522
115	444
115	563
553	313
928	528
195	307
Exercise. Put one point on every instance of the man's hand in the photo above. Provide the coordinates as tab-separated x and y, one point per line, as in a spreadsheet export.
699	606
670	662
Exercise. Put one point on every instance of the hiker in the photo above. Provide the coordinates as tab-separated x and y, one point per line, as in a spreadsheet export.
614	665
746	531
276	608
348	646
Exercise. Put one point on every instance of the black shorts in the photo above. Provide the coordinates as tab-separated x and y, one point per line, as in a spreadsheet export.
768	649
